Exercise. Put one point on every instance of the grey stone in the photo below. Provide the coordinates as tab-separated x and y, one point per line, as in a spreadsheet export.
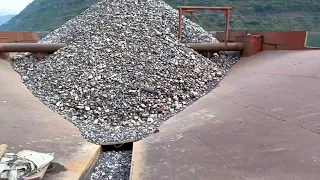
25	78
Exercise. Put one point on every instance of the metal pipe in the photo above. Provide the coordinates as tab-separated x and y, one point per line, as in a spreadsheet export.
30	47
208	47
180	24
226	39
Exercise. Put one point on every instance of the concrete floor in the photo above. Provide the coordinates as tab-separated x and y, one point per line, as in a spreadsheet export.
262	122
25	123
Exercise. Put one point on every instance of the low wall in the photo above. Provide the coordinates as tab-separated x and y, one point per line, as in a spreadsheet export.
273	40
18	37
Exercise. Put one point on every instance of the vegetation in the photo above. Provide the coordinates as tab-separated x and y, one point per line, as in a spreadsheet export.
47	15
260	14
4	19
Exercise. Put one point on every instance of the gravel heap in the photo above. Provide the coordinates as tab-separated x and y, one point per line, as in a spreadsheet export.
124	71
113	165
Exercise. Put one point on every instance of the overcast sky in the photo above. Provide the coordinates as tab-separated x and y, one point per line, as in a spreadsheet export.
13	6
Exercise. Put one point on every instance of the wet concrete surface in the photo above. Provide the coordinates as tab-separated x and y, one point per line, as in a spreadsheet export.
27	124
262	122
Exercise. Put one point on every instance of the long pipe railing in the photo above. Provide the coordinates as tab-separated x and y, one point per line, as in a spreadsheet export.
209	47
31	47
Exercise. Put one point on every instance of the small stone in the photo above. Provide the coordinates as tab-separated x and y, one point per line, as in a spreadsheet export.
25	78
156	131
219	74
80	107
194	94
150	120
93	84
96	112
106	128
87	108
74	118
144	115
160	109
143	105
178	106
148	89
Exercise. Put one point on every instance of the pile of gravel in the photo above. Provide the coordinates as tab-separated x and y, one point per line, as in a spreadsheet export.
113	165
124	71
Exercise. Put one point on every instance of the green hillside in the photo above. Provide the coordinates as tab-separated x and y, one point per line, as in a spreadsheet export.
261	14
47	15
4	19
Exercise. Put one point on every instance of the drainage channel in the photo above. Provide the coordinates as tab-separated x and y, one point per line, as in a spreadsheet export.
114	163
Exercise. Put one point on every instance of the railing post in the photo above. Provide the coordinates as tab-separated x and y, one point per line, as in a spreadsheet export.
180	24
226	39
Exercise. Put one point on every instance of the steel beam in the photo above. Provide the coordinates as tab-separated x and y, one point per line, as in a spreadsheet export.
192	9
204	8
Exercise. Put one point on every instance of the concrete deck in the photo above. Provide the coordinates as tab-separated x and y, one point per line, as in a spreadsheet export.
25	123
262	122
